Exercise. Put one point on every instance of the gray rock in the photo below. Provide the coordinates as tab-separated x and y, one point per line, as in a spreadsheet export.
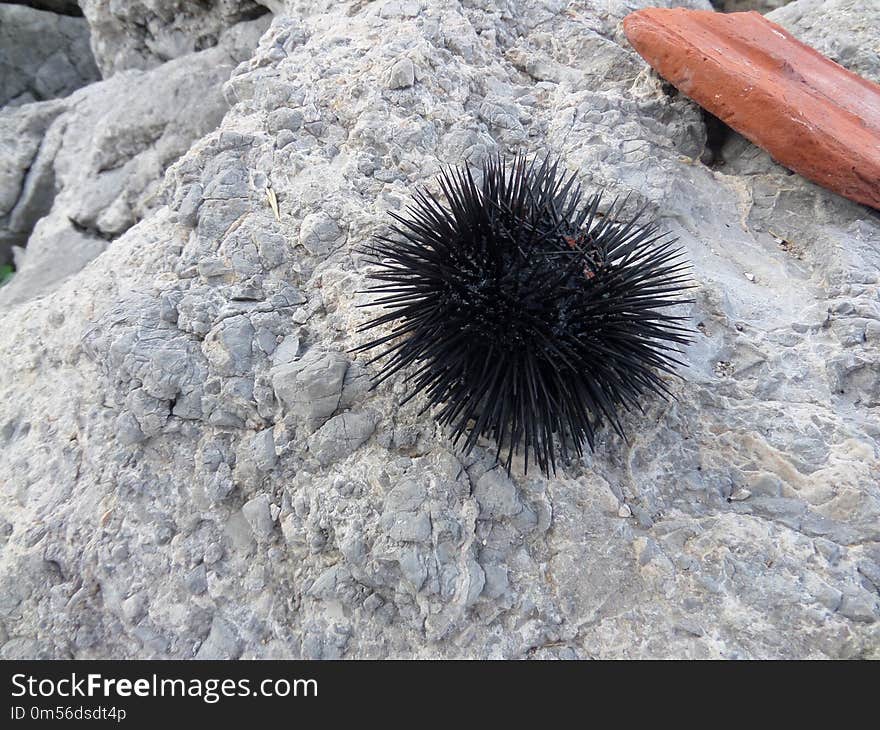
407	526
197	580
310	388
256	512
26	191
90	166
163	407
342	435
6	529
496	494
402	74
222	642
860	607
44	55
319	234
134	608
263	445
142	34
407	496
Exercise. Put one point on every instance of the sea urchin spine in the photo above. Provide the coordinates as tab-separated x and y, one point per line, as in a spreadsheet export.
527	315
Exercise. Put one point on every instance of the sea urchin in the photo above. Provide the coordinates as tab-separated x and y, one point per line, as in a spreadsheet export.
527	315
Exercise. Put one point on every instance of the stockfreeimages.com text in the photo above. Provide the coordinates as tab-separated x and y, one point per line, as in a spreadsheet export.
209	690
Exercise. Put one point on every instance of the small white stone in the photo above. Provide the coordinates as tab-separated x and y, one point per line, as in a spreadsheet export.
402	75
739	495
624	511
750	276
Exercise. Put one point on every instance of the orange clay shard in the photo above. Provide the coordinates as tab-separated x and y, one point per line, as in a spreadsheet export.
810	114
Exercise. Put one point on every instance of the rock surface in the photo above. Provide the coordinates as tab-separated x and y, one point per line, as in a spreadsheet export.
76	173
42	55
175	483
142	34
810	114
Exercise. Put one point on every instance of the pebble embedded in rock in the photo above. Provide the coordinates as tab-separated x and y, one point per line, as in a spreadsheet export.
402	74
342	435
311	387
256	512
496	494
222	642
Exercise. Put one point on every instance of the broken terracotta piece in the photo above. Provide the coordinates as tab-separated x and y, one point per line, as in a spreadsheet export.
810	114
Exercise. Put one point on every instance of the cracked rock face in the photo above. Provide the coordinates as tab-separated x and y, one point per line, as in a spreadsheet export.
78	172
194	462
143	34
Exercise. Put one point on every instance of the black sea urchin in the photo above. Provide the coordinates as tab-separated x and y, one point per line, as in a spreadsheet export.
529	316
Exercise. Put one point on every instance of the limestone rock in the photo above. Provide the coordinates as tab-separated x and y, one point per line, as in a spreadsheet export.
90	166
42	55
142	34
310	388
162	495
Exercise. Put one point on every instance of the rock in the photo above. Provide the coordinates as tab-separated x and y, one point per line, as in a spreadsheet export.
402	74
319	234
197	580
860	607
134	608
257	513
390	542
228	346
342	435
89	167
496	494
143	34
407	496
44	55
6	529
222	642
310	388
40	268
263	445
26	188
810	114
407	526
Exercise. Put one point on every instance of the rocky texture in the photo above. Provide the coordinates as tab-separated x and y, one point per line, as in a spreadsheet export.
42	55
194	467
21	135
810	114
142	34
78	172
